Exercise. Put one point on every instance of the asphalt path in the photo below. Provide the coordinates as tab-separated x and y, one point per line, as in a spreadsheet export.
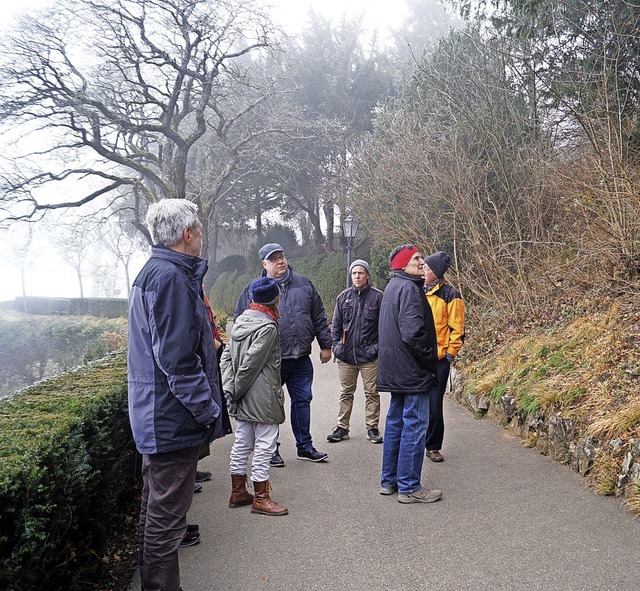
510	519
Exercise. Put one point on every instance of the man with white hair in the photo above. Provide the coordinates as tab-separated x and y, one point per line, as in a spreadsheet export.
175	398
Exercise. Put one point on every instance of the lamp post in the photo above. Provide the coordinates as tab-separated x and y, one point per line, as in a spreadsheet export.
350	228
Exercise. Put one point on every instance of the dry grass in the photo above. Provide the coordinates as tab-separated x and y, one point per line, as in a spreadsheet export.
603	475
617	423
587	370
632	494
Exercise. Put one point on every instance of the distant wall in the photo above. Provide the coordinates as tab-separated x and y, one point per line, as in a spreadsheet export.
97	307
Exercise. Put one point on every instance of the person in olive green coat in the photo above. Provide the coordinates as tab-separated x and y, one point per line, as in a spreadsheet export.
251	381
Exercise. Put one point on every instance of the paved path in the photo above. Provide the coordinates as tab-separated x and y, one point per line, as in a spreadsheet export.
510	519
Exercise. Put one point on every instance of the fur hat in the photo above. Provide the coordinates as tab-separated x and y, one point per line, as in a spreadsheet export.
439	262
264	291
268	249
359	263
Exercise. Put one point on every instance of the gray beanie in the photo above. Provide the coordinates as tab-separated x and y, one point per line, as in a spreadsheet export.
359	263
438	262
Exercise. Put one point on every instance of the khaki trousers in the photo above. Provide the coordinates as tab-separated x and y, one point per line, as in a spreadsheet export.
348	375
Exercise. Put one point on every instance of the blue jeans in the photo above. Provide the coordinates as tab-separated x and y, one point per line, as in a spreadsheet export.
297	375
404	437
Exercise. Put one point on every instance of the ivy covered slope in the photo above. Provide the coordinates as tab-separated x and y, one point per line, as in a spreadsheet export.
67	476
570	387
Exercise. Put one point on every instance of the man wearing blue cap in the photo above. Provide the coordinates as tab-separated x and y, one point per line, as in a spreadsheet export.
302	319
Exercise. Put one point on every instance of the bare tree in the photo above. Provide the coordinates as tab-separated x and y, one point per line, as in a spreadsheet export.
118	236
118	93
73	242
21	252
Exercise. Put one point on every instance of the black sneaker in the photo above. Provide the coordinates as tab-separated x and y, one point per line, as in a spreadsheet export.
312	455
338	434
197	488
276	459
374	436
192	537
203	476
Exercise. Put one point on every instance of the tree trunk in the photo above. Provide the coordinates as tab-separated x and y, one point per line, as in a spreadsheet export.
329	212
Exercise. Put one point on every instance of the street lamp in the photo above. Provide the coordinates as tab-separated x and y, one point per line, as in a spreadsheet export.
350	228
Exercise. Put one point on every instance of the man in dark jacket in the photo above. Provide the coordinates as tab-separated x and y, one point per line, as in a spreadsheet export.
175	398
407	360
354	331
302	319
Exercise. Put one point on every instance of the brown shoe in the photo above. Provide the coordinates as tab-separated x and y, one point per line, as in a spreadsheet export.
240	496
262	501
434	455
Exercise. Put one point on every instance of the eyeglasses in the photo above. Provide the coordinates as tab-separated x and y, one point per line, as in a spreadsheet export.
276	258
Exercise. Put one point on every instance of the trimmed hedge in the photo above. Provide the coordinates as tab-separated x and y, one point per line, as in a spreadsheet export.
68	472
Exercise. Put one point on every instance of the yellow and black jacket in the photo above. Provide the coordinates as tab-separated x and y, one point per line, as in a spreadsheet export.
447	307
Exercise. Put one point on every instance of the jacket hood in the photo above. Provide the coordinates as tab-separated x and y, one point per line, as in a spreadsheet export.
247	323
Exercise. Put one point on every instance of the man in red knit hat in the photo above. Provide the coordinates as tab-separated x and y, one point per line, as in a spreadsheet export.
407	360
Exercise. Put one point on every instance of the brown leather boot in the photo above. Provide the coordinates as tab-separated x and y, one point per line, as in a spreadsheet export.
263	503
239	494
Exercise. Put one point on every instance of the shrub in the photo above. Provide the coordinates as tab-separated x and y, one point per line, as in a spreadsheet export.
282	235
328	272
235	262
67	474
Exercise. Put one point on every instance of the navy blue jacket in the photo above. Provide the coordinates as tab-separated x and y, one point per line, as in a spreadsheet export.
354	329
175	396
407	350
302	316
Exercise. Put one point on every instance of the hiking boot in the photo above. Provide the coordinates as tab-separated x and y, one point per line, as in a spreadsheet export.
191	537
312	455
203	476
422	495
338	434
388	490
374	436
262	501
434	455
240	496
276	459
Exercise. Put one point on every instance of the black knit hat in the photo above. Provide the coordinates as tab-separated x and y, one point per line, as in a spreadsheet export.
264	291
439	262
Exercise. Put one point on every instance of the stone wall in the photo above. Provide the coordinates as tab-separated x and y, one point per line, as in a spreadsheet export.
98	307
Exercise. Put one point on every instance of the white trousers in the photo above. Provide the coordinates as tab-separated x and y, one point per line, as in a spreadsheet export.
257	437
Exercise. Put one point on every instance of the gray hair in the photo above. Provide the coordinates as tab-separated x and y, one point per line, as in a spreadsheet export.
167	219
